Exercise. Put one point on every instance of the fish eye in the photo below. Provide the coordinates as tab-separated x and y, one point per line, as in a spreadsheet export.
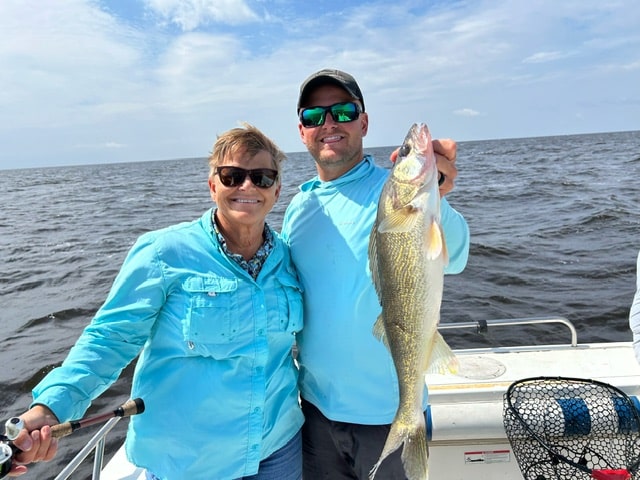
404	150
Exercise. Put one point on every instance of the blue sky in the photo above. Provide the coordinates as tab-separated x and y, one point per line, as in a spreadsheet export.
85	81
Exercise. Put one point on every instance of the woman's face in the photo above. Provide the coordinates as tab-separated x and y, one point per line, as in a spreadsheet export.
244	204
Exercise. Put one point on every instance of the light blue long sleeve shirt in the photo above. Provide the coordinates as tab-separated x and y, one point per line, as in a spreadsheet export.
344	370
215	371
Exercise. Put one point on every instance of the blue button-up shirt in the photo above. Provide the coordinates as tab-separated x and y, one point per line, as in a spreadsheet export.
344	370
215	370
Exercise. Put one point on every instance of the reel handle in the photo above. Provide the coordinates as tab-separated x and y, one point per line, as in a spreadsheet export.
14	425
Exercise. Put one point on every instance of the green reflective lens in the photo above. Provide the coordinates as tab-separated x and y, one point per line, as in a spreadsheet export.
313	116
340	112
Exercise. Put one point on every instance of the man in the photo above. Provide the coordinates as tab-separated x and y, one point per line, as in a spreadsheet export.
347	378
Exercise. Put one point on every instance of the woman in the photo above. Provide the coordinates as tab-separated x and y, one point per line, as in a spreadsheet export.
212	307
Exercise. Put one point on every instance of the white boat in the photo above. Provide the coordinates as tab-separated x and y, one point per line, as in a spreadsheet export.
467	434
468	438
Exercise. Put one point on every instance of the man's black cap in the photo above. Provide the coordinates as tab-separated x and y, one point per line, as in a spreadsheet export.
330	76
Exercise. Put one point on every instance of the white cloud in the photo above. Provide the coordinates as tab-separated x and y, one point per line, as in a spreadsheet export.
542	57
466	112
101	145
191	14
75	74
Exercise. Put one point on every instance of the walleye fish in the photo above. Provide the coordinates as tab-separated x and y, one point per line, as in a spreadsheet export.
407	256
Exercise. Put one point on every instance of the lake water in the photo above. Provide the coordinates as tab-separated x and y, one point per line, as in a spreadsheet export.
555	230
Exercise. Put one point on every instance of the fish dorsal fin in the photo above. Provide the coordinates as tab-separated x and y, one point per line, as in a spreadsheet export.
400	221
379	330
373	258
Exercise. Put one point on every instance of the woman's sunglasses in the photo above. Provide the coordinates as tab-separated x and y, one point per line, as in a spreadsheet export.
341	113
234	176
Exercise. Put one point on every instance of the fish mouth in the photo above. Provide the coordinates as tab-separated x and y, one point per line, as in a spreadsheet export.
417	144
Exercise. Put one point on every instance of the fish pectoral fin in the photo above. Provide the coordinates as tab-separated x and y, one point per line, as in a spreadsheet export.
434	240
400	221
445	252
442	359
380	332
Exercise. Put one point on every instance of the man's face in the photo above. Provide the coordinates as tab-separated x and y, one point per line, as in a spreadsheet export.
336	147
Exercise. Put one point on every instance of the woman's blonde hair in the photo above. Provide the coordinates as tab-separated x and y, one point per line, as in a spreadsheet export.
246	138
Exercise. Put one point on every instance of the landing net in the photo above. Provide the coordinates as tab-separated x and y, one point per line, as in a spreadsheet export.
571	428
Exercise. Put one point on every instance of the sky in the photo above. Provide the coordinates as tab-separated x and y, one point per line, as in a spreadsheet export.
88	81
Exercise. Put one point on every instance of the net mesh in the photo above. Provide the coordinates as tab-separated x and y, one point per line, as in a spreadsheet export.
568	428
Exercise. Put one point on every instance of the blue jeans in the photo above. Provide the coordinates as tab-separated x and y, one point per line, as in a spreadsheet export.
283	464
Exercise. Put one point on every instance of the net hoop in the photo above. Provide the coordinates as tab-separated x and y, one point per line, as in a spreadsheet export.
564	427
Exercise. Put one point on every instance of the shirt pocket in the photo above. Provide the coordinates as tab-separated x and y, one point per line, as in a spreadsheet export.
212	314
290	304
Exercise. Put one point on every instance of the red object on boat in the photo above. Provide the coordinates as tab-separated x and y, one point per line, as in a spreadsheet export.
611	474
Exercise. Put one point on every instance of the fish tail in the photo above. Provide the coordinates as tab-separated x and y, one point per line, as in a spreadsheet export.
415	452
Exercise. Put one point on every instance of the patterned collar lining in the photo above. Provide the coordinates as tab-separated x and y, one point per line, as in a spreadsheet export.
254	265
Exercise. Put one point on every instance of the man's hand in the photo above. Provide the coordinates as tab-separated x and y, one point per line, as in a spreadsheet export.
445	151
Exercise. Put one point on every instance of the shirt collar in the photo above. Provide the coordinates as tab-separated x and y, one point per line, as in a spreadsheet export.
254	265
361	169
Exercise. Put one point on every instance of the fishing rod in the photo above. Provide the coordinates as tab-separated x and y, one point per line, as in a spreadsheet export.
14	425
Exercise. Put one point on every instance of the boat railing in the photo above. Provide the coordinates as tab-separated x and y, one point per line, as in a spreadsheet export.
482	326
96	443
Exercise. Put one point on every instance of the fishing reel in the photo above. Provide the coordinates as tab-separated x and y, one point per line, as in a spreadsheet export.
13	426
11	430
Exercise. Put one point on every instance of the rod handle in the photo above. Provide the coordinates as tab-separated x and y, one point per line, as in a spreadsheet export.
130	407
62	430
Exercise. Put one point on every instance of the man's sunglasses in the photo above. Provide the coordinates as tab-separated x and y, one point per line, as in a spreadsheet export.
234	176
341	113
